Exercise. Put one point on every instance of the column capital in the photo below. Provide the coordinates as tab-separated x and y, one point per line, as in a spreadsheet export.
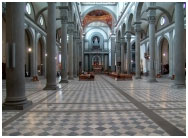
113	36
122	40
151	11
137	26
151	19
70	28
75	33
128	36
64	19
77	38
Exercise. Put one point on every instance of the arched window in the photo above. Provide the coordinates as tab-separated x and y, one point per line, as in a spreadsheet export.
162	20
28	8
41	20
184	5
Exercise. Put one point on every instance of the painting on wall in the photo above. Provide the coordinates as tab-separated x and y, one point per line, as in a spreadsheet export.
98	15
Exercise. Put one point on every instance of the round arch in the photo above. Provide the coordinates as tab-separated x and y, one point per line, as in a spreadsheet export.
94	29
137	14
118	37
160	54
129	21
41	56
123	29
98	7
96	59
96	34
28	52
95	26
164	55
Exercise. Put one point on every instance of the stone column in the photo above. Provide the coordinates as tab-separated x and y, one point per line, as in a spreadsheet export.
179	56
70	50
86	62
106	62
113	53
75	57
171	55
80	57
34	56
151	20
64	20
122	54
118	58
83	46
15	76
51	48
128	37
137	45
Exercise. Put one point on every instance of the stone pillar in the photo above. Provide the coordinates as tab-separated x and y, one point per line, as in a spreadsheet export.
83	46
118	58
86	62
15	76
34	56
106	63
122	54
113	53
128	37
171	55
64	77
70	50
151	20
75	57
51	48
179	56
80	57
137	45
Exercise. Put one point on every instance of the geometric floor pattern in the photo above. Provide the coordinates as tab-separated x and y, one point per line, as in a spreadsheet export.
96	108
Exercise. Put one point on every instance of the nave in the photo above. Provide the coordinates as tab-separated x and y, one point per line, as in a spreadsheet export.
103	107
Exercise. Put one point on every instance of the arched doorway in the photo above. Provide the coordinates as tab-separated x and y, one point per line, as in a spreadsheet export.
28	50
164	56
40	57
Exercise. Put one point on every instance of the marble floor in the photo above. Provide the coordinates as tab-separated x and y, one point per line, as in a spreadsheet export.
103	107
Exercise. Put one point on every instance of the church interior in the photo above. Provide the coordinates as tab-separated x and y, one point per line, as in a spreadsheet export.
93	68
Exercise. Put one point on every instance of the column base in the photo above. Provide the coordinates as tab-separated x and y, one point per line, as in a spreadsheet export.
137	77
16	105
51	87
35	78
178	86
71	78
64	81
152	80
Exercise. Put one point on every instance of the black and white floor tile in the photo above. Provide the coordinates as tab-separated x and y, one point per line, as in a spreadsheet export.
97	108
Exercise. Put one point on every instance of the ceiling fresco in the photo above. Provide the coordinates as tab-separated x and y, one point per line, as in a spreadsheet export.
98	15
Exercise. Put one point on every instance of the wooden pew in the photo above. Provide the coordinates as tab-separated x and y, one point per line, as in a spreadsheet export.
87	77
120	76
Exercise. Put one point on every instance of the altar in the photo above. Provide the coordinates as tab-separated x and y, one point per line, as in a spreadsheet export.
97	68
